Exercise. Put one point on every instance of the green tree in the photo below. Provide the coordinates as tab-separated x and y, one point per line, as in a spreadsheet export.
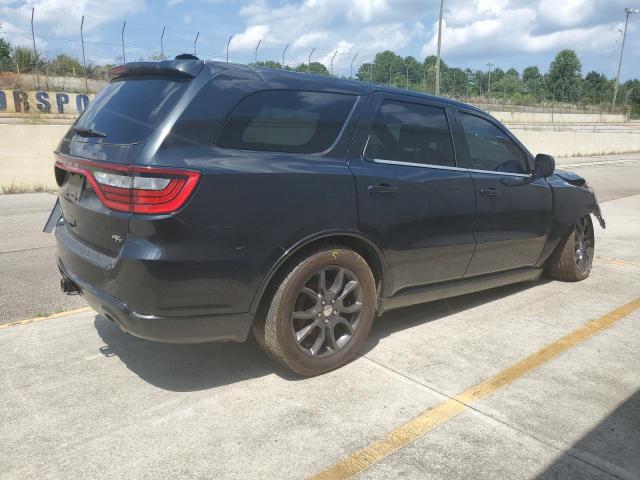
531	74
65	65
565	75
267	64
314	67
26	61
5	54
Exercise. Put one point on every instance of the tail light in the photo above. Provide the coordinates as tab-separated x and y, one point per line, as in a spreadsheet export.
135	189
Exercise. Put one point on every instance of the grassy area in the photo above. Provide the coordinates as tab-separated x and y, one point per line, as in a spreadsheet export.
25	188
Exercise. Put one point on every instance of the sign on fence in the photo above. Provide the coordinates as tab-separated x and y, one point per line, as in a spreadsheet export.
19	101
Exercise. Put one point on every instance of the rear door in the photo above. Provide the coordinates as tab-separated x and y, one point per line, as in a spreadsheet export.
113	130
413	201
514	209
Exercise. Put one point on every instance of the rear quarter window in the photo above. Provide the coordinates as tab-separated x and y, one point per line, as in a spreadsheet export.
127	111
286	121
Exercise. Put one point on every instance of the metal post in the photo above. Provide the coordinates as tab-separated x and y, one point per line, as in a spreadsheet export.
424	77
256	52
84	60
454	85
124	58
371	72
489	66
283	52
228	42
439	44
334	56
195	44
407	77
162	44
35	52
309	62
628	11
352	60
390	73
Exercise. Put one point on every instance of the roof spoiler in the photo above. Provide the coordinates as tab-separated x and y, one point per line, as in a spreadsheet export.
187	68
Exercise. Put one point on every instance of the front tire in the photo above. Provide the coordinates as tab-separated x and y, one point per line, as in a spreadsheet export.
321	314
571	261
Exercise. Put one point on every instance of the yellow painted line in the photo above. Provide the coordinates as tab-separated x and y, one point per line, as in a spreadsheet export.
427	421
47	317
615	261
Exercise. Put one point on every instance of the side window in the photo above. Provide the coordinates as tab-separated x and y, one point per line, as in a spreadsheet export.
286	121
490	148
409	132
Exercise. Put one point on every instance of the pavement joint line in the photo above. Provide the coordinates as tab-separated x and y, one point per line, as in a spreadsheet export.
366	457
620	198
27	249
45	317
616	261
574	453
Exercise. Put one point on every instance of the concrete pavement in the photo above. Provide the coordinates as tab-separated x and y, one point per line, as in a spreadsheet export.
80	399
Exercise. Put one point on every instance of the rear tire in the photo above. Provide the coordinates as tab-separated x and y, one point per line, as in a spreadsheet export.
322	312
571	261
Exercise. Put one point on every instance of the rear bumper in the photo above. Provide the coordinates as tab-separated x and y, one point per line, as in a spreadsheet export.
185	329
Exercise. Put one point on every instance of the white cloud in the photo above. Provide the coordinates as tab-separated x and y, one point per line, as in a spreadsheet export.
503	27
248	39
59	16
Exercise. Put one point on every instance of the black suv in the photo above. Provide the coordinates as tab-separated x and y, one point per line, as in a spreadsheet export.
201	200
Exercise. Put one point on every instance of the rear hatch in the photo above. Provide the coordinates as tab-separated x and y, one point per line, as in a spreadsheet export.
95	162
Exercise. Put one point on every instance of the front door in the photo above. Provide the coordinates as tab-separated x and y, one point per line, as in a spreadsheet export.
513	210
412	199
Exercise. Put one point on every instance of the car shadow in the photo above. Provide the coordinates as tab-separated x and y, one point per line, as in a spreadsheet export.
408	317
194	367
186	367
609	450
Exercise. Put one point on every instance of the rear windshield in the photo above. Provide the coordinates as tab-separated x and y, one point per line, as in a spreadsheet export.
127	111
286	121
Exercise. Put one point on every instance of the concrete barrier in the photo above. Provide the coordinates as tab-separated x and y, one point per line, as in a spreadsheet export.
558	118
26	157
26	160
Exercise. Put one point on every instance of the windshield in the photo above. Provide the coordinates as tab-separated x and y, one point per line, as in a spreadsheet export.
127	111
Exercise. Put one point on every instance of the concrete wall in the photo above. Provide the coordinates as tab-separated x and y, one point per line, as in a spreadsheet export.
578	142
26	155
558	118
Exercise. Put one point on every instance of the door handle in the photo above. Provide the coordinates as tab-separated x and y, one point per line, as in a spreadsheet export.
490	192
383	190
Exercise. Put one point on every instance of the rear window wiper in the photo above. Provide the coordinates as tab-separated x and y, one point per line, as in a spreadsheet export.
88	132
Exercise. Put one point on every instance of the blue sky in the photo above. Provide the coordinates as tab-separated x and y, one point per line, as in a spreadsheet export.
506	33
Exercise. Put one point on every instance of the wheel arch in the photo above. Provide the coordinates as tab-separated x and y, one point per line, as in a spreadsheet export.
355	241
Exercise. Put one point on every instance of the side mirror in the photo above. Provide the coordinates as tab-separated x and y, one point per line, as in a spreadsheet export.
544	166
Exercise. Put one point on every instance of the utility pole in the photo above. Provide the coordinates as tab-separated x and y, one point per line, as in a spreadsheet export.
489	66
332	58
195	44
628	11
439	44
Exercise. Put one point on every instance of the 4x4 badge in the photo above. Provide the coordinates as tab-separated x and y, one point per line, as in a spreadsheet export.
117	238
